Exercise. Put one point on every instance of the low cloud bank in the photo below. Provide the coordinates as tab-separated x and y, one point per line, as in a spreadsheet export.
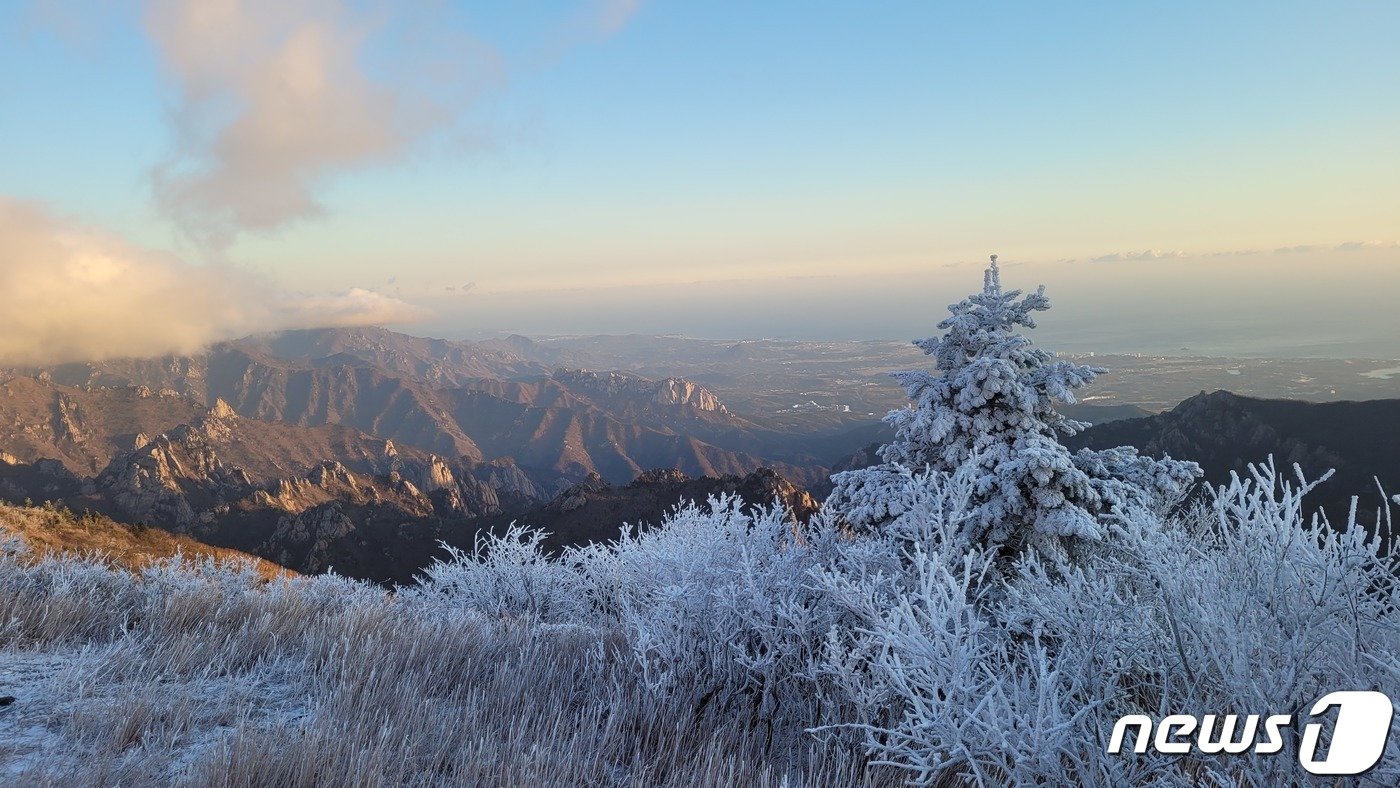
69	293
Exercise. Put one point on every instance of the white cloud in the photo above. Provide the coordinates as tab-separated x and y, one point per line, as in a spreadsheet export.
1146	254
1361	246
278	97
69	293
1346	246
1300	249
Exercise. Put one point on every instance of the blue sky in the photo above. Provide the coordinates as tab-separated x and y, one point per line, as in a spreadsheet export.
565	158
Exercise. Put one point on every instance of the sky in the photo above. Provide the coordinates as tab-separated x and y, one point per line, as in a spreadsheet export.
1220	177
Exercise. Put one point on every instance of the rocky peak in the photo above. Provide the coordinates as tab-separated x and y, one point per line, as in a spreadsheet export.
222	410
331	473
306	538
669	392
660	476
506	477
579	494
68	420
403	486
389	460
767	484
679	391
436	475
164	480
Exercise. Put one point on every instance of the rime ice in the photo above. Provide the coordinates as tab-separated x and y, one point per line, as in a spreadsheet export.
990	403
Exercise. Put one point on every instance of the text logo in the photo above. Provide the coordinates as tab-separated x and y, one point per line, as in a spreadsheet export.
1357	742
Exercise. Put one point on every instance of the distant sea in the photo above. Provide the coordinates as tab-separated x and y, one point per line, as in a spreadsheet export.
1259	331
1235	342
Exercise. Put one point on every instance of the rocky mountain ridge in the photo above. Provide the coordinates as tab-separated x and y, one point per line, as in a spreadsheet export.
283	491
672	391
311	498
476	401
1224	432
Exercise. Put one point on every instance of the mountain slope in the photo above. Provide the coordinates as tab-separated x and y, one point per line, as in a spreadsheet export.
48	530
302	496
1224	432
82	429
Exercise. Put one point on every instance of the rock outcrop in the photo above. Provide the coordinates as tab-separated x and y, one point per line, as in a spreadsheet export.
308	539
670	392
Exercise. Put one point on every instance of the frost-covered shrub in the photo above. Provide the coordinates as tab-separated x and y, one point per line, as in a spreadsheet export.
1251	605
508	576
942	658
938	685
990	403
190	675
1242	606
720	602
722	627
717	606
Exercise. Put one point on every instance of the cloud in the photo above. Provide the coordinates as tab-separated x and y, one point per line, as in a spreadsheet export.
69	293
357	307
278	97
1301	249
1346	246
1363	246
1146	254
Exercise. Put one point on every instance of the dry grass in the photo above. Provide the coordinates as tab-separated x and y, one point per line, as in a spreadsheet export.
209	676
48	530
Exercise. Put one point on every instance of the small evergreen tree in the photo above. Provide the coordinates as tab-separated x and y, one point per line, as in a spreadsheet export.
989	410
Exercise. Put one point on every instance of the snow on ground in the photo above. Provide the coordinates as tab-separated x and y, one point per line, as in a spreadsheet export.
65	698
28	677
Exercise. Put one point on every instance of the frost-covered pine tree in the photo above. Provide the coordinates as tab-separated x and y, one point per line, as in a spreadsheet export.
988	410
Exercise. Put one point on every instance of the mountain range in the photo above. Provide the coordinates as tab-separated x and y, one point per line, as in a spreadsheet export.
362	449
1225	432
479	401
